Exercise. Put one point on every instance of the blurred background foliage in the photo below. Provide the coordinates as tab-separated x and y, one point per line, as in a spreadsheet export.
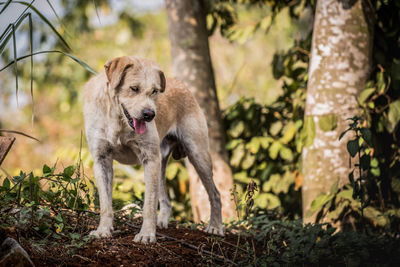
260	52
98	31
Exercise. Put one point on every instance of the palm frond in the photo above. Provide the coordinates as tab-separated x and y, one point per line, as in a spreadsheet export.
79	61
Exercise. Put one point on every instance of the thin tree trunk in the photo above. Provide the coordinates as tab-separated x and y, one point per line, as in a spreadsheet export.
192	64
339	68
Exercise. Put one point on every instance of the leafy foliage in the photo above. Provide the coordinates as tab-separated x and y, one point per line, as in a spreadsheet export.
44	203
268	148
292	243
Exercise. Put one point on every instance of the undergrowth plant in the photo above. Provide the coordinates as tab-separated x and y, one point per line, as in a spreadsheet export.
360	202
49	205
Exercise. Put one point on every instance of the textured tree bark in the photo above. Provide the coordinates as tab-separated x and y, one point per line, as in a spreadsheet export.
339	68
192	64
5	146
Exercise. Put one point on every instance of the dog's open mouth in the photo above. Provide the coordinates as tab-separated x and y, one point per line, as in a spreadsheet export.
139	126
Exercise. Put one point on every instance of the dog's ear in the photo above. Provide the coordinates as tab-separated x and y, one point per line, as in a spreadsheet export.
162	81
115	70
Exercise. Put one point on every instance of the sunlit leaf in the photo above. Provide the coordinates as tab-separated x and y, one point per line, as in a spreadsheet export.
319	202
286	153
308	132
365	94
393	115
328	122
288	132
376	216
274	149
267	201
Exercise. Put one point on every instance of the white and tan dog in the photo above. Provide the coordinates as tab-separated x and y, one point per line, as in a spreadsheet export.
134	115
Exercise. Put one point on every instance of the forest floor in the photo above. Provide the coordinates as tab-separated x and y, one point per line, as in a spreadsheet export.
260	242
176	246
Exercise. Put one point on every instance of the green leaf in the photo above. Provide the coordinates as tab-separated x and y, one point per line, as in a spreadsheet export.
267	201
233	143
275	128
376	172
376	216
393	115
172	170
334	187
242	177
374	162
59	218
74	236
46	170
308	131
319	202
366	135
236	129
288	132
69	171
333	215
274	149
286	153
328	122
352	147
265	141
254	145
248	161
6	184
237	155
346	194
381	84
365	94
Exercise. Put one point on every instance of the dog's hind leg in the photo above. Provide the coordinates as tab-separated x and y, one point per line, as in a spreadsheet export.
165	205
103	173
196	147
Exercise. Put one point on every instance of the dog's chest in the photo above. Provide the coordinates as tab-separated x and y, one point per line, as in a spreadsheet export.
126	154
125	148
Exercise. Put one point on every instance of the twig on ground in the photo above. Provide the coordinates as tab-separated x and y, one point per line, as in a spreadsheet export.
83	258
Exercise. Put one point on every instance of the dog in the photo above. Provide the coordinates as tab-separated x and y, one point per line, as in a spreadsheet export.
134	115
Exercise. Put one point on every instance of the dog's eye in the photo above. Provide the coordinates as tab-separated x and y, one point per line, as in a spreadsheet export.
135	88
155	91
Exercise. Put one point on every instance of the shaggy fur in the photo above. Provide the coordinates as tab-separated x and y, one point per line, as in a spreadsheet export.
119	106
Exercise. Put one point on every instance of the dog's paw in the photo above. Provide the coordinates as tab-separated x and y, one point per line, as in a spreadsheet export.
215	230
145	238
102	232
162	220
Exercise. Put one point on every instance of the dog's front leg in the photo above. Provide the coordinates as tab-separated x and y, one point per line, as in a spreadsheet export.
103	173
152	168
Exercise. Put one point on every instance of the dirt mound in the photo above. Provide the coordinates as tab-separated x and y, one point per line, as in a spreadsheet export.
176	246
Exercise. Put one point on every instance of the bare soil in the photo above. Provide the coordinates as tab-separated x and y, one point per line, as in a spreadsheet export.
176	246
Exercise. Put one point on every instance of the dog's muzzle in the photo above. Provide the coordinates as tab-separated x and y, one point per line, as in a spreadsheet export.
128	116
138	125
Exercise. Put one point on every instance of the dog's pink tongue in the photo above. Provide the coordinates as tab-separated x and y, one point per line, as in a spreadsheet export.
140	126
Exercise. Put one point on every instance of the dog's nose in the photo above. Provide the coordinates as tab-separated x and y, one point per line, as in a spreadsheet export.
148	114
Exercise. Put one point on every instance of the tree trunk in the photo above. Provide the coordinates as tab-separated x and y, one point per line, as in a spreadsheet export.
192	64
339	68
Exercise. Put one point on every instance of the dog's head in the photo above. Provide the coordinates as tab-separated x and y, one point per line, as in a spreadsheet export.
136	83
